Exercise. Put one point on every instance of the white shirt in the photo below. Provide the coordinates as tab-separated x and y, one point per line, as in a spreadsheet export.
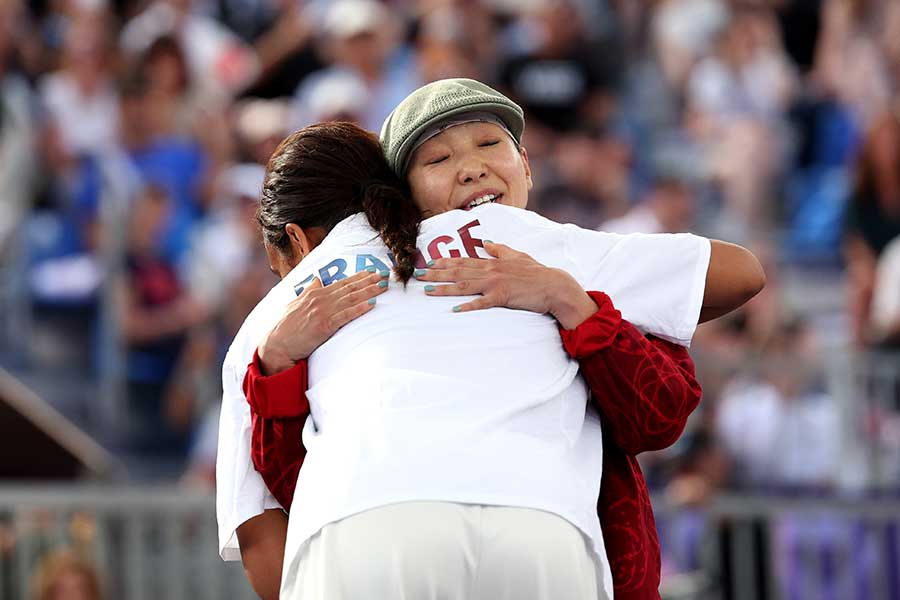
415	402
87	124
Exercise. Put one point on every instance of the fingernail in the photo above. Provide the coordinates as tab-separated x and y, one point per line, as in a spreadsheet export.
370	269
430	263
418	272
488	241
429	288
457	308
384	273
372	300
382	284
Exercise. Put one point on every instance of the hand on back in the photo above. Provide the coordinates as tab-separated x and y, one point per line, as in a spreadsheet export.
513	280
316	315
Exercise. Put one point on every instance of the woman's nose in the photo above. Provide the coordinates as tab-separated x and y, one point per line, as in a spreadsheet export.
471	173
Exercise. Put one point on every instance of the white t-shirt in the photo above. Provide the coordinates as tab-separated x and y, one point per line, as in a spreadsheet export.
415	402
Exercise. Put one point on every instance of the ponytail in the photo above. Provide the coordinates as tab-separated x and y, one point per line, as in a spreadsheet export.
392	213
326	172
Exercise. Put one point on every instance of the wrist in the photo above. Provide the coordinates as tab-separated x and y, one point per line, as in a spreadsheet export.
272	359
569	303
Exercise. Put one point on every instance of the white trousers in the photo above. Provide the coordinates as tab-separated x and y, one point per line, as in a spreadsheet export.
446	551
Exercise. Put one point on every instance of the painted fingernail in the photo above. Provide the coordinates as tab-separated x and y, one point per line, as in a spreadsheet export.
382	284
384	273
371	269
418	272
457	308
429	288
430	263
372	300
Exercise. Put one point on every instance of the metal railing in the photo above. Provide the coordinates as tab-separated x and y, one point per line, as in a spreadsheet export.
162	543
783	548
145	543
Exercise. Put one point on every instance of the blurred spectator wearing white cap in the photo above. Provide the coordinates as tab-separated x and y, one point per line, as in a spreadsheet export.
361	37
330	95
260	125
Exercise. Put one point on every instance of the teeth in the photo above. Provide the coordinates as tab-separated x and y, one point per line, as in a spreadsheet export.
482	200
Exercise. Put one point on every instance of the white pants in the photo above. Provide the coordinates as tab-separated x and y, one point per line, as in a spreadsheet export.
446	551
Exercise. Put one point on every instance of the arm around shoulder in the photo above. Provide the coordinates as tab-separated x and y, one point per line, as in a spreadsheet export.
734	277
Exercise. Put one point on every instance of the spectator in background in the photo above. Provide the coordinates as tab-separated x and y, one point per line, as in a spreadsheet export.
849	62
285	49
683	32
873	217
17	131
225	243
736	98
164	71
566	79
885	314
259	127
362	38
587	178
445	48
333	95
667	208
219	61
64	575
176	161
784	404
156	314
80	99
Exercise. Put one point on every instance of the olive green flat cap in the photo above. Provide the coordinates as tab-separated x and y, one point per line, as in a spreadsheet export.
437	101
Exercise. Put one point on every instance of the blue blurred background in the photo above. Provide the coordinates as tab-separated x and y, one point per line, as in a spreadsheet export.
133	134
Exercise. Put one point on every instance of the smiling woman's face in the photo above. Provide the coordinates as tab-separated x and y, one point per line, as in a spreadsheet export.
466	165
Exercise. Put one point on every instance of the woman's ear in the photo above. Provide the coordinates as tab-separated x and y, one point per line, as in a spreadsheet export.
303	240
528	179
301	244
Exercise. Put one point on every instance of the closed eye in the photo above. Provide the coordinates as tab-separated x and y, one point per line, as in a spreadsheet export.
437	160
489	143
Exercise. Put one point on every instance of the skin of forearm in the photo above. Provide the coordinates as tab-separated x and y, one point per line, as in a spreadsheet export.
262	540
272	359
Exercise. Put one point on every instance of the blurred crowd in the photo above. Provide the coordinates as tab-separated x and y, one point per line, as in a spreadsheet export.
134	133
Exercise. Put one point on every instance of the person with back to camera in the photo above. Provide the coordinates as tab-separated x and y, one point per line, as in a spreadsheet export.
552	243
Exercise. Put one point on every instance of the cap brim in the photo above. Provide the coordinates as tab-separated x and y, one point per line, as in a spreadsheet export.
507	114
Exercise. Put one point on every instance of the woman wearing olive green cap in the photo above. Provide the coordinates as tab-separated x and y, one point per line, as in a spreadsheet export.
445	140
541	457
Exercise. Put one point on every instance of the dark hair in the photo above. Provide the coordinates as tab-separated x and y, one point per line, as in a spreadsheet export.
324	173
163	46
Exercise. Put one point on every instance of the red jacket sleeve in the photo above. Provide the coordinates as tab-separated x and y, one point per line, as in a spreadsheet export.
278	409
644	388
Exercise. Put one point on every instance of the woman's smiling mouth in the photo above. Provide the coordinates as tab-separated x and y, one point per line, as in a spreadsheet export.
483	199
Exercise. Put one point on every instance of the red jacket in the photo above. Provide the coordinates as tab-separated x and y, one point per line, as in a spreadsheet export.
644	389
